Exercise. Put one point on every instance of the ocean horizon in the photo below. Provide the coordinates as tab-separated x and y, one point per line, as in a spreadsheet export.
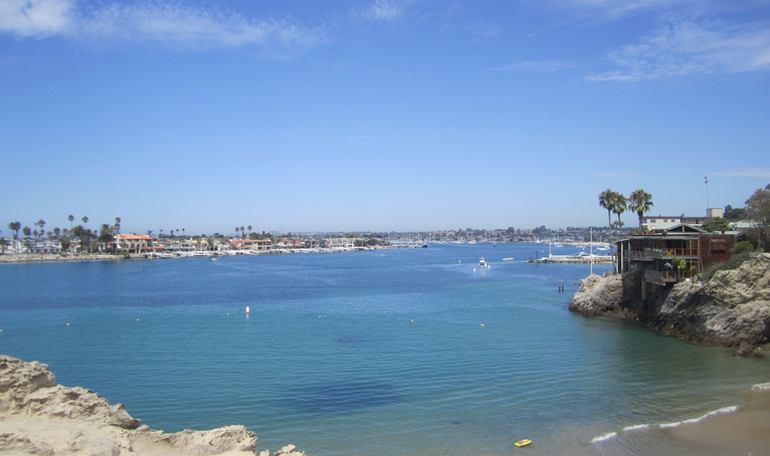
378	353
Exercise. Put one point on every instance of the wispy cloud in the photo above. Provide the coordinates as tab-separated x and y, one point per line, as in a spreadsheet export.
689	47
535	66
615	9
36	18
759	173
151	21
384	10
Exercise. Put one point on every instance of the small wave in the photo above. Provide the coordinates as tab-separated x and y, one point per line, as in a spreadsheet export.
761	387
604	437
730	409
636	427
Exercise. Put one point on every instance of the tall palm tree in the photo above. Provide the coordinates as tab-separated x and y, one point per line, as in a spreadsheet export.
85	220
640	202
607	200
621	203
41	224
70	218
15	226
27	231
249	228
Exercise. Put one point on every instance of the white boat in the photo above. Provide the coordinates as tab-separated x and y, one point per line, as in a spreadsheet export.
483	263
508	259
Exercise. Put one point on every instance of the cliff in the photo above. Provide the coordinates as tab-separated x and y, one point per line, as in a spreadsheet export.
731	309
39	417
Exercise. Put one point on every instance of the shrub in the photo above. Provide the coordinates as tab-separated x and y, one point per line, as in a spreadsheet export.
742	246
734	261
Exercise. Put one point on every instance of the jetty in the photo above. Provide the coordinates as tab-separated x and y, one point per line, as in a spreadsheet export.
581	259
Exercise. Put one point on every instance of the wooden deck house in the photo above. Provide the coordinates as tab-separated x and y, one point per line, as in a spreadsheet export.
672	255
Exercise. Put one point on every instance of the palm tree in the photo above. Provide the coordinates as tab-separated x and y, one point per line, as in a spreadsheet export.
243	230
249	228
41	224
70	218
57	231
85	220
640	202
607	200
15	226
27	231
621	203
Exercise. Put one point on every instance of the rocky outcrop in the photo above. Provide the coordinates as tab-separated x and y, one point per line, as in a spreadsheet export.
731	309
39	417
601	296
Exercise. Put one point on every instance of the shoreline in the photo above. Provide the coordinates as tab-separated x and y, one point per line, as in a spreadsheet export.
54	257
737	429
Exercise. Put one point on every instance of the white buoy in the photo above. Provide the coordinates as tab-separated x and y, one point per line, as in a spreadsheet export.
248	310
483	325
68	323
411	321
137	319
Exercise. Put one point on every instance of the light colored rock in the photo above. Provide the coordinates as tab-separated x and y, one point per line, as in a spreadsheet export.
600	296
215	441
39	417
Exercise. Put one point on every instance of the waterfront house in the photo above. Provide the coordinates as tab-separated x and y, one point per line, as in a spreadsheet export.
133	243
665	257
252	244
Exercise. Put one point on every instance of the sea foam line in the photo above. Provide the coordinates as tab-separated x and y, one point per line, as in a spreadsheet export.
604	437
636	427
761	387
730	409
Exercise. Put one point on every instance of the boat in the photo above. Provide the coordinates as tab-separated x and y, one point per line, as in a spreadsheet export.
483	263
508	259
523	442
425	246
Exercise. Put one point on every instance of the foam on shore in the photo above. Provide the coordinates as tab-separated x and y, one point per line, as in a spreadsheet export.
636	427
719	411
603	437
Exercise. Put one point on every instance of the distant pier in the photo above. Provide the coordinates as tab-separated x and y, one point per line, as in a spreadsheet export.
580	259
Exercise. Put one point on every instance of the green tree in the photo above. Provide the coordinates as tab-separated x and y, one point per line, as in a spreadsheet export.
84	220
71	218
607	201
15	226
27	231
716	225
758	210
41	224
640	202
619	206
105	235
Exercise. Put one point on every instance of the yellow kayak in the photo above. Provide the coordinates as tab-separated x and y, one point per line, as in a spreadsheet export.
523	442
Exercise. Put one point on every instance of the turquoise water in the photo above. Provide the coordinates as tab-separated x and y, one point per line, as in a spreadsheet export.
376	353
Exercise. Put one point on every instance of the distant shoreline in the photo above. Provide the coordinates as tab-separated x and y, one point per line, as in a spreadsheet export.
55	257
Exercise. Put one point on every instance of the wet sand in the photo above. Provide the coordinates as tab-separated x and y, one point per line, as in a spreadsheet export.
744	432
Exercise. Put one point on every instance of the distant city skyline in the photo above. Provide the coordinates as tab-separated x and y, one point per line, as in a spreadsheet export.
376	116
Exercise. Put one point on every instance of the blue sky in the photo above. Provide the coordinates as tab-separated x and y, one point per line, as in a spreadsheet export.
377	115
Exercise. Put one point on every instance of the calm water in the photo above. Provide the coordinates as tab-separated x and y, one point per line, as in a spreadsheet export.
376	353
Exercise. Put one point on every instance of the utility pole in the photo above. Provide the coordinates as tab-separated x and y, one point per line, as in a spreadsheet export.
706	180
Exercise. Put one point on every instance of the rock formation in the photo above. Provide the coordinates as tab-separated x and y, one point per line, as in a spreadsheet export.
732	309
39	417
